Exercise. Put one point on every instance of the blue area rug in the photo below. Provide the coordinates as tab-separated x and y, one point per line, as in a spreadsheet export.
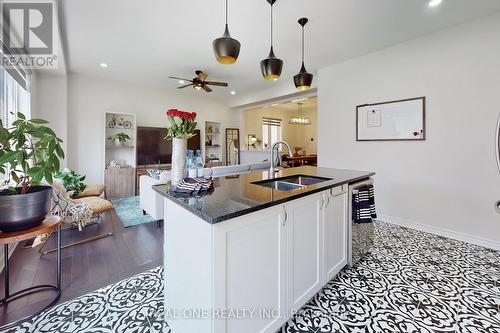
129	212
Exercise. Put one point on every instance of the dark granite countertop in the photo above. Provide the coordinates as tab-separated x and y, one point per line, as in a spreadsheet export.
234	196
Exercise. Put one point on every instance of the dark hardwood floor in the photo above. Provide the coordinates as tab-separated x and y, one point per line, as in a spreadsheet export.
85	267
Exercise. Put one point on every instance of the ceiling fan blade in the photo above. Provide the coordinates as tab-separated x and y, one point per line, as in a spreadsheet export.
179	78
202	76
214	83
185	86
206	88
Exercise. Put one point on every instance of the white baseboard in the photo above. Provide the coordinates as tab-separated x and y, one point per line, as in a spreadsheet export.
12	247
488	243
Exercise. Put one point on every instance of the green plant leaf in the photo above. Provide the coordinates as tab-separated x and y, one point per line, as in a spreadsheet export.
35	170
55	162
59	151
8	157
21	116
14	176
48	176
37	177
38	121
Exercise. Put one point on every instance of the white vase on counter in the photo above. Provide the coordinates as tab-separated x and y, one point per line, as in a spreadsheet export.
179	149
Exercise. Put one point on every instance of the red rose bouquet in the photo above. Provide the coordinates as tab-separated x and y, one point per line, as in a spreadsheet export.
182	124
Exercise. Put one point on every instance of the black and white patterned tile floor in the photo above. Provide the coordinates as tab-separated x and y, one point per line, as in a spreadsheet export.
411	281
134	305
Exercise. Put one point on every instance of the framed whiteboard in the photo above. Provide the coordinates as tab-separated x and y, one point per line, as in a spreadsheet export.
402	120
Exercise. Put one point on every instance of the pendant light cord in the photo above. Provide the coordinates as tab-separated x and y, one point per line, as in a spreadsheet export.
302	44
226	12
271	25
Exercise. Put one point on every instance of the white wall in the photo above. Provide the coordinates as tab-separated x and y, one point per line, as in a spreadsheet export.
89	97
450	181
49	102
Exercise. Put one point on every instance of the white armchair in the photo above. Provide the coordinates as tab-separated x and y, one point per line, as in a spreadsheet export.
150	201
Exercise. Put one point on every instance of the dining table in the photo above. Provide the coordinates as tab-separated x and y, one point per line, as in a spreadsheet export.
302	160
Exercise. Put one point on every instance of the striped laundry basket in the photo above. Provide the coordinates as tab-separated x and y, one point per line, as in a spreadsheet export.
363	204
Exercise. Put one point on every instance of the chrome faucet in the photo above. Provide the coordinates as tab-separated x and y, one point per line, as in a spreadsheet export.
272	169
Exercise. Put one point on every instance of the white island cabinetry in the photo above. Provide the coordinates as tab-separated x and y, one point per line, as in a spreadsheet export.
335	231
248	274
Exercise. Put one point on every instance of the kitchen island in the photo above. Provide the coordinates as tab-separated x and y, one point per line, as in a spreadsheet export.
246	257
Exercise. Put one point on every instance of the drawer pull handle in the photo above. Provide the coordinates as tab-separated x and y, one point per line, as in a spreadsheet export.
285	217
339	194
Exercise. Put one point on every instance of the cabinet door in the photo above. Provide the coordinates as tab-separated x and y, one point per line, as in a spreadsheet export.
250	272
120	183
335	231
304	250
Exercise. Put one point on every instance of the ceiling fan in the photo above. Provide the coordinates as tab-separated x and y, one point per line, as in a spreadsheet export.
199	82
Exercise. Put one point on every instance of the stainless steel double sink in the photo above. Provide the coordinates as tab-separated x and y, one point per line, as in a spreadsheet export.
291	182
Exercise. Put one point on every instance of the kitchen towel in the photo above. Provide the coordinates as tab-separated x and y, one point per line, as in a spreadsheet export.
191	187
363	204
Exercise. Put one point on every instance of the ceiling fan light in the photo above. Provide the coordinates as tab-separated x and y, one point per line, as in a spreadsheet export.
226	48
271	67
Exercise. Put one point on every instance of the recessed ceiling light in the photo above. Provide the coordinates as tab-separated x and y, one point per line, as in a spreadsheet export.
104	65
181	82
233	92
434	3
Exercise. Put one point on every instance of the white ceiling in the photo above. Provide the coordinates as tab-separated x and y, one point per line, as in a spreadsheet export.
146	41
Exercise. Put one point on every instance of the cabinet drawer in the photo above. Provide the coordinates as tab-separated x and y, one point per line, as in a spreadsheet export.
336	191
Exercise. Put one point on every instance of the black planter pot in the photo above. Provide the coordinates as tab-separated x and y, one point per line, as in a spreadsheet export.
24	211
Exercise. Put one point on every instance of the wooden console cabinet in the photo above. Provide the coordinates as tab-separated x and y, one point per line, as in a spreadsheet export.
120	182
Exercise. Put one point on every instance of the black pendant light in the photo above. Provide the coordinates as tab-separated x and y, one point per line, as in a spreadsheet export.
271	67
303	80
226	49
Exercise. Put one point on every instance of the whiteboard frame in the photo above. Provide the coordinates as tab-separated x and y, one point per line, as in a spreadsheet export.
424	134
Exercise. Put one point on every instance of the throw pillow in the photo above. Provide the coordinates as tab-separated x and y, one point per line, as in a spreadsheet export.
154	173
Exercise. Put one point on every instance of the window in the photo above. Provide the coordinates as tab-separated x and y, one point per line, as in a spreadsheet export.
13	99
271	131
14	88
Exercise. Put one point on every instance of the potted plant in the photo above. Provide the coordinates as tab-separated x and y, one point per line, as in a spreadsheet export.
182	126
119	139
29	153
73	182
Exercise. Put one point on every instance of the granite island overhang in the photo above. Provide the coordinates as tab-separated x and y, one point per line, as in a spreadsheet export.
246	257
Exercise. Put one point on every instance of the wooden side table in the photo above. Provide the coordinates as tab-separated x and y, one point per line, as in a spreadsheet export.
48	226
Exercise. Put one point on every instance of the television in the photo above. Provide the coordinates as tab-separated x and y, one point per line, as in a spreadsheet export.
153	148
